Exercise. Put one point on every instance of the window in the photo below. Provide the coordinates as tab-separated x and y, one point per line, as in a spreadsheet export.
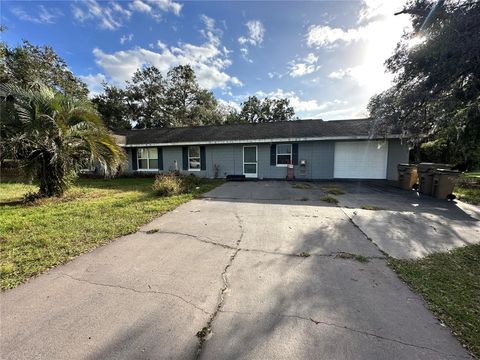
284	154
194	158
147	158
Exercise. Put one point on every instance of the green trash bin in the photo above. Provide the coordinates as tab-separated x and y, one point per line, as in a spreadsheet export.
425	176
444	182
407	176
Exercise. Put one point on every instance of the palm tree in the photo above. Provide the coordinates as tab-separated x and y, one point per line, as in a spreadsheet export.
54	136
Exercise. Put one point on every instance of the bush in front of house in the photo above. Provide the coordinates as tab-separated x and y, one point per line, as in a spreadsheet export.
174	184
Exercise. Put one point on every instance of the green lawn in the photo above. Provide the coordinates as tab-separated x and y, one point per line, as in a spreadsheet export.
471	196
450	284
466	191
37	237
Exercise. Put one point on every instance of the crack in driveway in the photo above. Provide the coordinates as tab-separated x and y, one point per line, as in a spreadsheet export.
344	327
363	232
209	241
136	291
206	331
203	239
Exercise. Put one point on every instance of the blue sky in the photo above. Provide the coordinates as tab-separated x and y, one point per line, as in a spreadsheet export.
325	56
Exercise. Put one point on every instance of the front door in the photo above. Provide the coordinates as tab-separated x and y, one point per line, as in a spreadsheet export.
250	156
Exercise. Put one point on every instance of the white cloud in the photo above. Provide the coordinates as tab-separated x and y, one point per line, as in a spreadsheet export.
210	32
304	108
229	104
140	6
301	69
377	34
342	113
340	74
375	10
156	7
361	74
244	52
126	38
110	16
374	16
167	6
161	45
275	74
208	21
113	15
311	58
41	15
256	32
322	36
94	82
312	108
304	67
209	60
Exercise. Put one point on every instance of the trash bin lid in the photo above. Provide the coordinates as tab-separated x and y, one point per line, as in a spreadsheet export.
447	172
434	165
430	167
406	166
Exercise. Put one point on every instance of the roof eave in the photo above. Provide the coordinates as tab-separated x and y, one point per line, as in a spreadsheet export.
271	140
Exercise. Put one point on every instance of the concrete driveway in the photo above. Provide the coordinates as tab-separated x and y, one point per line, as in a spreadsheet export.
260	267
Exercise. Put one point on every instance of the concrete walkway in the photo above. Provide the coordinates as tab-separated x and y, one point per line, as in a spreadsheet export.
259	267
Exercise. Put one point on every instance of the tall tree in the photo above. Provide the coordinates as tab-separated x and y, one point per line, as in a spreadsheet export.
255	110
186	103
175	100
146	98
436	94
26	65
114	108
54	136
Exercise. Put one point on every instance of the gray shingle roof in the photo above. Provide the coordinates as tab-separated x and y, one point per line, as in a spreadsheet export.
279	130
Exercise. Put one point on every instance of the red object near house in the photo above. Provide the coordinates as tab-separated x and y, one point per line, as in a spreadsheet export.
290	172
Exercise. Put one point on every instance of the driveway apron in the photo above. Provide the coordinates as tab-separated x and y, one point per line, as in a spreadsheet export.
251	271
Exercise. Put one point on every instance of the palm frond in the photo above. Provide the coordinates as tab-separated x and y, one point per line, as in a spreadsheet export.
56	134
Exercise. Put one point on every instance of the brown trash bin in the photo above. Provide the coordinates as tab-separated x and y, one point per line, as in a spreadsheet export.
407	176
444	182
425	176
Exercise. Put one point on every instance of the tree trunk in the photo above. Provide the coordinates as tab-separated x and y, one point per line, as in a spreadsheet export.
49	179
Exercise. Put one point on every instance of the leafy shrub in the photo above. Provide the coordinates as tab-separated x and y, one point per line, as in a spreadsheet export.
190	182
167	185
175	184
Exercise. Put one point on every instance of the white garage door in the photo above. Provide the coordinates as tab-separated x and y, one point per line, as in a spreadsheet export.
360	160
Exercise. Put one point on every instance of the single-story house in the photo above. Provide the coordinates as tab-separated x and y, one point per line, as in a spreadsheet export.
340	149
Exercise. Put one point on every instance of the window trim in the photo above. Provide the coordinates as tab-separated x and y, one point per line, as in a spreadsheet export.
199	157
146	158
277	153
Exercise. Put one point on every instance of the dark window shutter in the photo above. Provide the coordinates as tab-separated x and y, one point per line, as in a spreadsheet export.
203	158
273	154
295	154
185	158
134	159
160	158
